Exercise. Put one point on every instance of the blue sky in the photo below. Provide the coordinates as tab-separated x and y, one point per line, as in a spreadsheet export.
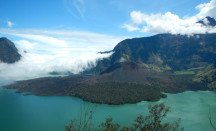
96	16
65	35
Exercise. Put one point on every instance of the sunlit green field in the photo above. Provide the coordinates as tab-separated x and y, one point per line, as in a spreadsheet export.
184	72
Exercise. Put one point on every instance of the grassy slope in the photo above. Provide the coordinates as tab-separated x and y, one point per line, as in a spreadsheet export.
207	76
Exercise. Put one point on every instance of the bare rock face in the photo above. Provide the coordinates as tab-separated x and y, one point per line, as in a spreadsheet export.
8	51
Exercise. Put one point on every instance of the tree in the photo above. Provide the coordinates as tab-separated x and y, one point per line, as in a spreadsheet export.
84	121
109	125
152	122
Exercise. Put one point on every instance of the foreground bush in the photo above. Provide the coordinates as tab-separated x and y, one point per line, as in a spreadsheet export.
152	122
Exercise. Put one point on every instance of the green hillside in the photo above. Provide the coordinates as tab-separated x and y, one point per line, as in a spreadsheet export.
207	76
164	52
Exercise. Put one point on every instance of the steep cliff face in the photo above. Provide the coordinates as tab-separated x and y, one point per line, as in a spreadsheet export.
8	51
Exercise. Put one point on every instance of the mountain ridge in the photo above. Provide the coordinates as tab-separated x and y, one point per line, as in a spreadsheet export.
164	52
207	21
8	51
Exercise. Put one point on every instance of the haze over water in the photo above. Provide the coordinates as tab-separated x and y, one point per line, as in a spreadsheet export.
33	113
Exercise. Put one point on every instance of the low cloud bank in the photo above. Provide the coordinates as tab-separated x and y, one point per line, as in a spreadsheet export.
45	51
171	23
34	65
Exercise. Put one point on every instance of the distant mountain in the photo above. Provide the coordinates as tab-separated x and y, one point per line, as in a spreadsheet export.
164	52
208	21
8	51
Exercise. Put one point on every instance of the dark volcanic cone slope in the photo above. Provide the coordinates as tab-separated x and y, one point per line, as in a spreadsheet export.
133	73
125	65
128	72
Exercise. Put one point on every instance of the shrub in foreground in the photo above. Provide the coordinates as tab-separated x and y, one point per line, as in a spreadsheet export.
152	122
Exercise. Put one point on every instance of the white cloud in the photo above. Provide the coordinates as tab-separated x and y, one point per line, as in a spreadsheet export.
67	4
206	22
44	39
78	4
171	23
10	24
75	41
206	9
46	52
24	45
34	65
130	27
137	17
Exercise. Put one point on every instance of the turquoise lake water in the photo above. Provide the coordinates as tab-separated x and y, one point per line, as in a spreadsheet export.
52	113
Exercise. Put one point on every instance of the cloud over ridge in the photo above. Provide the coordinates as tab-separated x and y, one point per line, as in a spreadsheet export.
171	23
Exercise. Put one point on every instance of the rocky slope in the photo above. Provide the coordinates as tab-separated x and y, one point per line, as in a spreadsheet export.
8	51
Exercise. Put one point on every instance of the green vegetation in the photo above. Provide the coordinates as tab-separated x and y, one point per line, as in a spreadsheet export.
152	122
115	93
195	69
207	76
164	52
184	72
